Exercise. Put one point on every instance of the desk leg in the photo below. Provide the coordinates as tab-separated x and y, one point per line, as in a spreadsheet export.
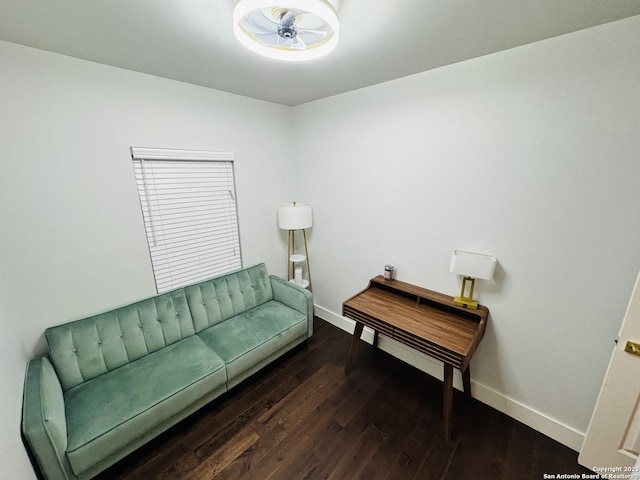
466	382
447	395
354	346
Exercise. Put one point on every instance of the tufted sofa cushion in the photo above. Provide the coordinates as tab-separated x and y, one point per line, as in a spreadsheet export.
217	300
87	348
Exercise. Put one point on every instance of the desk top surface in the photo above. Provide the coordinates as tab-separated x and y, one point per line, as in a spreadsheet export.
422	313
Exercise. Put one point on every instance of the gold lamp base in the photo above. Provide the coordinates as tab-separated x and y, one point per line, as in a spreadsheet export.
466	302
463	300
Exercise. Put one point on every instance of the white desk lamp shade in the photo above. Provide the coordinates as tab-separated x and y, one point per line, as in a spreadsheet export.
474	265
294	217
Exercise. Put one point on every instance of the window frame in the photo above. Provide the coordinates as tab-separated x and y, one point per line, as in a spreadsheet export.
153	206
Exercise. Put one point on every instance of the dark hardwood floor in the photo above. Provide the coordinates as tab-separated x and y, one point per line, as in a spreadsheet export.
301	418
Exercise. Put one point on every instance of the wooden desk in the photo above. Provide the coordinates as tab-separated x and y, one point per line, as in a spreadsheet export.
422	319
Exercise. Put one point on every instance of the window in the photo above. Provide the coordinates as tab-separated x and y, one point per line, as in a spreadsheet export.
190	214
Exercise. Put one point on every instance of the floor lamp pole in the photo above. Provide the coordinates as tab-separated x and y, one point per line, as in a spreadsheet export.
289	235
306	253
291	249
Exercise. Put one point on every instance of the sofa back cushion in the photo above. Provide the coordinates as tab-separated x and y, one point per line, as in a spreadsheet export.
87	348
216	300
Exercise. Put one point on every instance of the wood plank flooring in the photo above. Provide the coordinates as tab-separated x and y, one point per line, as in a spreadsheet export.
301	418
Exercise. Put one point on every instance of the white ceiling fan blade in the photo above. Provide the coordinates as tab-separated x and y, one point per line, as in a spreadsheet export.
268	39
296	12
268	17
321	33
298	44
258	23
254	29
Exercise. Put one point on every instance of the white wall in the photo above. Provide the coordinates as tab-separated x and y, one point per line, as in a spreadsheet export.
531	155
71	240
15	462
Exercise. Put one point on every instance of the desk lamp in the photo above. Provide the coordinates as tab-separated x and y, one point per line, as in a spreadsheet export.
471	266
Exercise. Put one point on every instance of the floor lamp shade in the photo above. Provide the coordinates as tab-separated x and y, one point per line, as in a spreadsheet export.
295	217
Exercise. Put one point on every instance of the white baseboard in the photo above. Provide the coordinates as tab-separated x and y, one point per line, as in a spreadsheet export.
540	422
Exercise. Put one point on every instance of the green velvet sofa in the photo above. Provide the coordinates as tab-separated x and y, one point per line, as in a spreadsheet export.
113	381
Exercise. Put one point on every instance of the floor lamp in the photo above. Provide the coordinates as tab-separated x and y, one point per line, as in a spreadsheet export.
293	218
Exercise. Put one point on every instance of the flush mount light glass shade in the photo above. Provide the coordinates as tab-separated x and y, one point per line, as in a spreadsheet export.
295	217
290	30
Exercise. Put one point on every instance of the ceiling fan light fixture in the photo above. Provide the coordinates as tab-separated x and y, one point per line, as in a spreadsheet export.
290	30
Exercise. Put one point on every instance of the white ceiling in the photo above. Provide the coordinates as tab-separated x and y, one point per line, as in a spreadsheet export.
192	40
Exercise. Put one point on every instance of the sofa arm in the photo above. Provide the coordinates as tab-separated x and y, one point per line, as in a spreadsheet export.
43	420
293	296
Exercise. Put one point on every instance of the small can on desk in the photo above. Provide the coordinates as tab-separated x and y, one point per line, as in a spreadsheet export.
389	270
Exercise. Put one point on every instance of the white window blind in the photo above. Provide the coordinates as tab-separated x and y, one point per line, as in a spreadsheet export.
190	215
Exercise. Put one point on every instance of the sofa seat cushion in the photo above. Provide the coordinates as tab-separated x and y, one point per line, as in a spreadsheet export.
108	412
248	338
